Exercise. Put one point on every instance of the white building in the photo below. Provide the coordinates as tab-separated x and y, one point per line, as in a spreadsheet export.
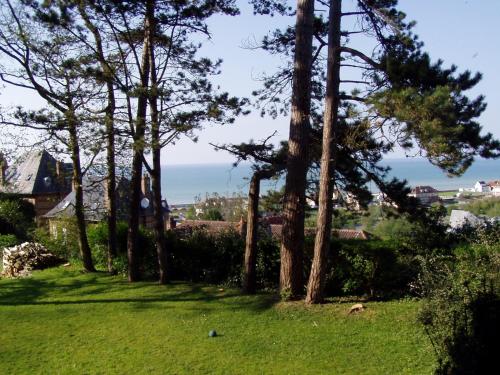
481	187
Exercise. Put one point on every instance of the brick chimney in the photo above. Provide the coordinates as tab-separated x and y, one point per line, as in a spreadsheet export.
146	184
3	169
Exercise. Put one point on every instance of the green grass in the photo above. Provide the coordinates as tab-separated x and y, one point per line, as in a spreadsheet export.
61	321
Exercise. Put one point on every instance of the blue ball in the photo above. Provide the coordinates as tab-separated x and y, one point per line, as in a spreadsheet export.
212	333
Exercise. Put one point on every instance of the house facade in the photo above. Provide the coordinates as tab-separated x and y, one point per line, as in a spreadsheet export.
38	178
482	187
95	204
425	194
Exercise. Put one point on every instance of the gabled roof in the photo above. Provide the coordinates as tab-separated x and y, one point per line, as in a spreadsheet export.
94	201
342	234
36	174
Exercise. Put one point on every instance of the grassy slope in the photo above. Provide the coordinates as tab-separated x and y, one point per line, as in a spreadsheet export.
62	321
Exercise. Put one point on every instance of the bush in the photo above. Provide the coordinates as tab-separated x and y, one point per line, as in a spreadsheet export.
97	235
202	256
16	217
461	306
65	244
374	267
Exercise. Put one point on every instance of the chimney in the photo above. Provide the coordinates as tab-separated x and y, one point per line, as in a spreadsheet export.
146	184
3	169
58	169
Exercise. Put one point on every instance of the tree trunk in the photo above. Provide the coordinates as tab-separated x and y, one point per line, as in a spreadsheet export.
83	243
110	137
251	237
140	127
295	186
159	225
315	286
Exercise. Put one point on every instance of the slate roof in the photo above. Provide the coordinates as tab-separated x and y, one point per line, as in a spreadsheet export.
94	201
35	174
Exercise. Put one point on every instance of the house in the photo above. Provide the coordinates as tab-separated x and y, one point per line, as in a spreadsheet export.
425	194
38	178
95	204
481	187
494	187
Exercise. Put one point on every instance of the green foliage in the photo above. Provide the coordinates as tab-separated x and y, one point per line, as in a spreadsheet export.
97	235
63	242
212	214
219	208
272	201
16	217
202	256
374	268
7	240
343	218
462	303
489	207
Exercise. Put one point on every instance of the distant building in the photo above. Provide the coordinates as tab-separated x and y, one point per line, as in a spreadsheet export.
494	187
38	178
481	187
425	194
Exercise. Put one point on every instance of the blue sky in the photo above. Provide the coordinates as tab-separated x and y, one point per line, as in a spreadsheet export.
458	31
461	32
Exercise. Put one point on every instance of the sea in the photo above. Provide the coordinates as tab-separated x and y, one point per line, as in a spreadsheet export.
184	184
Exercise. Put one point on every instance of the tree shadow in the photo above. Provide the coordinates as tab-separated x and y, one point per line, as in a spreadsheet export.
99	288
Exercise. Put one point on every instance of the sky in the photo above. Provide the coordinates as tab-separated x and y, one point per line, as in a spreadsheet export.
460	32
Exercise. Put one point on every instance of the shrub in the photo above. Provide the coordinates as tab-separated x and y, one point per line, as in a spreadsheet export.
64	244
97	235
16	217
373	267
461	306
202	256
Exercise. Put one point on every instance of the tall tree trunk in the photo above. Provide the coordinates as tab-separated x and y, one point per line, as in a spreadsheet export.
251	237
140	128
83	243
109	122
159	225
295	186
316	283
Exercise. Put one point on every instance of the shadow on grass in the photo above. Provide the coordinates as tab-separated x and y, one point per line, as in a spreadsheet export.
64	289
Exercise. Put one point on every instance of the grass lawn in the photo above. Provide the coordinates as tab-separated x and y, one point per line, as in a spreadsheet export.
61	321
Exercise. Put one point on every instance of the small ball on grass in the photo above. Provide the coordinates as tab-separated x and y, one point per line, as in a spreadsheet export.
212	333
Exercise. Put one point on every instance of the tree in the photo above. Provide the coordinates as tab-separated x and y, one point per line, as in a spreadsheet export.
45	62
398	95
295	185
398	98
267	163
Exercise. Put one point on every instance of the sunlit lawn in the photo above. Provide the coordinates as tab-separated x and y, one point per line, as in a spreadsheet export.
63	321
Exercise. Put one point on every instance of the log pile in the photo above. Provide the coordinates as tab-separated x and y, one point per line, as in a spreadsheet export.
20	260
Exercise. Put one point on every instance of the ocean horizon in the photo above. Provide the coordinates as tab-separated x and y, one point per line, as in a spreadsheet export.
182	183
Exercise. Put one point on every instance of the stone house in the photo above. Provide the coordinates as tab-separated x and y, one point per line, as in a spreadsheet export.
425	194
38	178
95	204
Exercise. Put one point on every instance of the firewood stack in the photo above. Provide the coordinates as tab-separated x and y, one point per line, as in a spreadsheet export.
20	260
